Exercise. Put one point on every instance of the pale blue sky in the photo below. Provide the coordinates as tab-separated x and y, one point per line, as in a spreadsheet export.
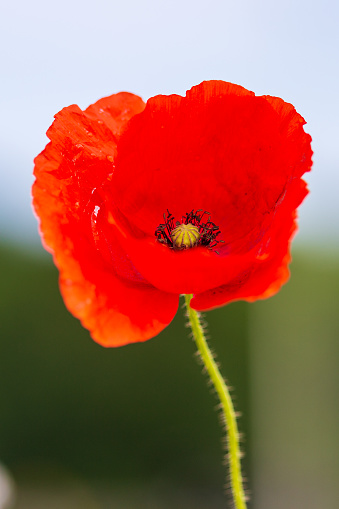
56	54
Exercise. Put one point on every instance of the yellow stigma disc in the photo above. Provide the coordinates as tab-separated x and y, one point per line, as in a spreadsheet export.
185	236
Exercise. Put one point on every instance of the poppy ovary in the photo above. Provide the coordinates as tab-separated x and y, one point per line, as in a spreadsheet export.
185	236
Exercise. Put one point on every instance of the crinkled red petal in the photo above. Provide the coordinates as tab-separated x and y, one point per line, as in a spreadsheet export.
220	149
269	271
112	300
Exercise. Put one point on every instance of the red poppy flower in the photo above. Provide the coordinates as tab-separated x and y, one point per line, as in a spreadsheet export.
116	179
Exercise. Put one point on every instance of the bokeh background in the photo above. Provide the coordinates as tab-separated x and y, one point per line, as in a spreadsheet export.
137	427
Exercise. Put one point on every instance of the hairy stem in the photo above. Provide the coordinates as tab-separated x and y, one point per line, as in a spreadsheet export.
220	386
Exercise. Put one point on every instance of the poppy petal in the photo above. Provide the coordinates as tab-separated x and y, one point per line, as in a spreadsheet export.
220	149
114	310
269	271
113	301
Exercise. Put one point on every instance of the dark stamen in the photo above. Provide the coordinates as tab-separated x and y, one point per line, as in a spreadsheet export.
201	219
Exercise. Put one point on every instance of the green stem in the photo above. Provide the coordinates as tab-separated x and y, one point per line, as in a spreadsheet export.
234	453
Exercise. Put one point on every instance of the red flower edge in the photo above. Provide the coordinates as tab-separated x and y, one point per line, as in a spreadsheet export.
109	174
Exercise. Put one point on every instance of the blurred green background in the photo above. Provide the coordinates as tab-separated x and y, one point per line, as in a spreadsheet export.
137	427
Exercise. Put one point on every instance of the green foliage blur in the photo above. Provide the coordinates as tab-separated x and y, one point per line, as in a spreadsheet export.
138	427
140	413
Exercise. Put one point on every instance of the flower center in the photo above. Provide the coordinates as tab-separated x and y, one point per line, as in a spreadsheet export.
185	236
195	229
